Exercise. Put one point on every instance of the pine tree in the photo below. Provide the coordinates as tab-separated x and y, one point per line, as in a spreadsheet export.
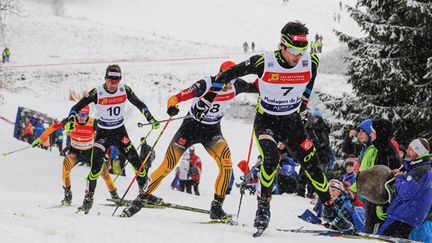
390	68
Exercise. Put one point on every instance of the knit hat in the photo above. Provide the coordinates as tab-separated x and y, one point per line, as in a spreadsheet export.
420	146
336	185
317	112
366	126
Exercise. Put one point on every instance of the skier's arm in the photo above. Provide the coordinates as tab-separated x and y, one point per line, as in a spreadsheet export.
241	86
198	89
54	127
310	85
89	98
254	65
138	103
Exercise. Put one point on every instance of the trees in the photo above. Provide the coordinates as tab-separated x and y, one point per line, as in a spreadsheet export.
7	7
390	68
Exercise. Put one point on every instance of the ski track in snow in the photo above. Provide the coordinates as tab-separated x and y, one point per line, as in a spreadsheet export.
30	180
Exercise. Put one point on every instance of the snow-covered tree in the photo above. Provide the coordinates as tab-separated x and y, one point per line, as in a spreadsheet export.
390	68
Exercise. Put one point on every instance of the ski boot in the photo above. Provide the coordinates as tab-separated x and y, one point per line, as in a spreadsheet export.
151	199
262	216
115	197
135	206
87	203
68	196
216	211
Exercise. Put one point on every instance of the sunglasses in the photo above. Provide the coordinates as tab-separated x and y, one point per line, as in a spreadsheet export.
294	50
82	115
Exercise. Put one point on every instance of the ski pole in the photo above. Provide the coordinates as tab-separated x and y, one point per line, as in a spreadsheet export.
145	139
242	188
14	151
142	165
139	124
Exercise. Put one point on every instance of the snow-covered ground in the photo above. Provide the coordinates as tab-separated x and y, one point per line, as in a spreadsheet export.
162	46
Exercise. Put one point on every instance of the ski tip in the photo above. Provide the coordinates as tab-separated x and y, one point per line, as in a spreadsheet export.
4	154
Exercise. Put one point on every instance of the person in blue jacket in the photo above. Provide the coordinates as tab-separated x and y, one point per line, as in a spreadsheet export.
413	199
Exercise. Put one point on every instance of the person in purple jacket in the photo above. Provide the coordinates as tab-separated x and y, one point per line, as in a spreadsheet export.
413	199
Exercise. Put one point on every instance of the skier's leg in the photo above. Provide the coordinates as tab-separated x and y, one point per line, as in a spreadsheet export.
303	151
68	163
221	153
126	149
108	180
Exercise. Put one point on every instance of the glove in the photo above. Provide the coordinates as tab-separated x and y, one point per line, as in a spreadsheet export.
380	213
201	108
173	110
155	124
70	124
37	142
173	106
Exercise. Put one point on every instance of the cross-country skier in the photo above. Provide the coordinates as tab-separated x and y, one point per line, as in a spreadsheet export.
206	131
285	80
110	99
82	139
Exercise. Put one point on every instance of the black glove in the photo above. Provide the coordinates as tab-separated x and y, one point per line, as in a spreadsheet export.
201	108
173	110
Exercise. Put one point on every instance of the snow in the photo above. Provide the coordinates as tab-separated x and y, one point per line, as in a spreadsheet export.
162	47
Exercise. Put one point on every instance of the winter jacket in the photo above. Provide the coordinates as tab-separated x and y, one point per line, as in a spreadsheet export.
414	194
184	167
196	164
39	129
348	178
28	130
387	153
366	161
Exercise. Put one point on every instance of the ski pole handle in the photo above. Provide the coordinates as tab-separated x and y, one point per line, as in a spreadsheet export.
14	151
139	124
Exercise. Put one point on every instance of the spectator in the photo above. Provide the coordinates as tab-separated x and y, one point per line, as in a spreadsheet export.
338	17
340	5
350	175
350	144
253	46
334	17
28	132
175	184
59	140
287	176
413	200
6	55
195	170
245	47
184	173
349	216
378	150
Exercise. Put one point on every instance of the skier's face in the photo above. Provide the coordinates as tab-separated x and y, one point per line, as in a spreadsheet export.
349	169
291	56
111	84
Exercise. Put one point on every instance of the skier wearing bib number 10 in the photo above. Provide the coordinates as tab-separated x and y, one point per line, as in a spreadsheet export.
285	81
205	130
110	99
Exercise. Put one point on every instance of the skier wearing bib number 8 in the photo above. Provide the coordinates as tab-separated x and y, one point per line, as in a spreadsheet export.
206	131
110	99
285	81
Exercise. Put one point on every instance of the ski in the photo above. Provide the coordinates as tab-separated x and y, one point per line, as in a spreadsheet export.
165	205
259	232
354	235
58	206
227	220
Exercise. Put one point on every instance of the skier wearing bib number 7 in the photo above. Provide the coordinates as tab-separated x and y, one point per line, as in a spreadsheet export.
206	131
110	99
285	80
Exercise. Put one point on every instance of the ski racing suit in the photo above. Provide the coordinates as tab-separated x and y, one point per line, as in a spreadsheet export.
284	92
110	109
82	139
206	131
